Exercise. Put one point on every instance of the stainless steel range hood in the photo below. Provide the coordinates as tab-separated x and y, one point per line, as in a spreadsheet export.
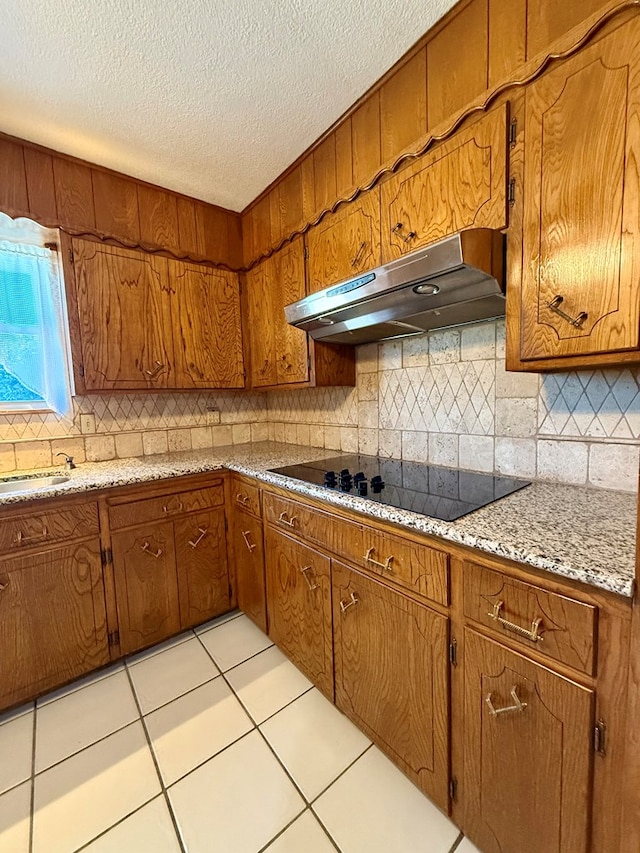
456	280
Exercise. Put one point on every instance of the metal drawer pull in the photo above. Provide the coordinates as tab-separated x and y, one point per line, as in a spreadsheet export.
203	532
312	585
168	510
409	237
289	520
534	634
147	549
396	228
345	605
518	705
247	541
158	368
386	566
576	322
21	538
243	500
357	255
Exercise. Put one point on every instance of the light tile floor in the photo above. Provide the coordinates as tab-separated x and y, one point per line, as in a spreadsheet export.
211	742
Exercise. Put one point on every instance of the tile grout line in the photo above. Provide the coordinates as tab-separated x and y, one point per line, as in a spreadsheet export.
33	779
157	767
457	843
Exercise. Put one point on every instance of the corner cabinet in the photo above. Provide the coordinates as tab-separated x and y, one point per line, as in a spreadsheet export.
148	322
282	355
579	300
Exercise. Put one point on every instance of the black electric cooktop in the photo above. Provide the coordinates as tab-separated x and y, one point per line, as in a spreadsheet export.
444	493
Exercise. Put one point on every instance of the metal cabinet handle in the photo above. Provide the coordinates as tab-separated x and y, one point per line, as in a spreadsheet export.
285	518
157	369
147	549
345	605
576	322
534	634
170	511
386	566
397	228
203	532
251	546
21	538
517	707
311	584
243	500
286	362
265	367
358	254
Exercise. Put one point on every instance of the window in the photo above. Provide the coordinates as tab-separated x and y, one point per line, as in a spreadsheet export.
35	360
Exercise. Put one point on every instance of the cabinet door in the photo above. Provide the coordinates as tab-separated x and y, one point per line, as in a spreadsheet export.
248	552
207	332
262	328
461	184
580	281
144	564
299	606
391	676
345	243
292	347
124	309
52	620
203	573
527	753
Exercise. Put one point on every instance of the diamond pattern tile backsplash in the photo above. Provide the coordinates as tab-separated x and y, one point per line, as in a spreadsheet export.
442	397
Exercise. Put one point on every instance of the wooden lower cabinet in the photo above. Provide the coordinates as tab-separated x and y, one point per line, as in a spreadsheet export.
53	624
391	676
248	555
527	735
203	572
299	594
144	562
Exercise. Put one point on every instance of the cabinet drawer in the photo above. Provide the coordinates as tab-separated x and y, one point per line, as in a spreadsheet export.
409	564
557	626
336	535
165	506
246	497
39	529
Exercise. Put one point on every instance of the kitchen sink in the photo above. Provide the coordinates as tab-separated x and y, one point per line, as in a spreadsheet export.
30	484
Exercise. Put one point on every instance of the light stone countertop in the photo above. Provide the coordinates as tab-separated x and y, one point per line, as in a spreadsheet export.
584	534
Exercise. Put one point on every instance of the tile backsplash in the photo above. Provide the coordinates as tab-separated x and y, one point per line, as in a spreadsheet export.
443	397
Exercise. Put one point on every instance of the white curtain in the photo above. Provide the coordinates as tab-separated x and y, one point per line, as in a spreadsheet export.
33	321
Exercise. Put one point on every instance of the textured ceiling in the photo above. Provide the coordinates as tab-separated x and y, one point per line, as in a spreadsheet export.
213	99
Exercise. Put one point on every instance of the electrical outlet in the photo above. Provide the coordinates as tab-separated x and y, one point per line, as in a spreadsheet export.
87	424
212	417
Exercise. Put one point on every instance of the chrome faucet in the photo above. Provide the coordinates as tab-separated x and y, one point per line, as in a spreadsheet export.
69	464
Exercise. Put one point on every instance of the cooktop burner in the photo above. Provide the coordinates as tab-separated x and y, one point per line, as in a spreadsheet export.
444	493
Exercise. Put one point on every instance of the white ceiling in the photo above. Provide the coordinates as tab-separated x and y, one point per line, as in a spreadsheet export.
213	99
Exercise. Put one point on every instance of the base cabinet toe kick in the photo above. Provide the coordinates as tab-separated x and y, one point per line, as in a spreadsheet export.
499	690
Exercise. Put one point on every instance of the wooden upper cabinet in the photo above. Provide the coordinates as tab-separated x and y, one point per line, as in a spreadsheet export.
207	331
292	345
460	184
527	753
125	317
580	277
345	243
262	331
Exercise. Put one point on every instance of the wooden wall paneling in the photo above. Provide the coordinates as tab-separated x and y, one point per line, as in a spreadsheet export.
116	205
548	21
308	188
234	240
187	232
324	173
74	194
457	62
247	238
274	215
344	159
158	217
403	107
365	137
507	38
40	186
211	230
333	364
14	199
261	230
291	202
